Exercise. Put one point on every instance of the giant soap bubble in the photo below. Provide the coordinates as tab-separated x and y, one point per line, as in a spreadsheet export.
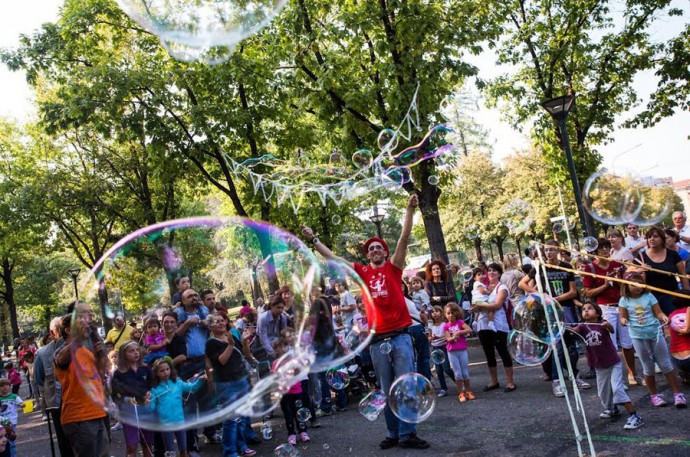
237	259
530	316
205	30
623	197
518	216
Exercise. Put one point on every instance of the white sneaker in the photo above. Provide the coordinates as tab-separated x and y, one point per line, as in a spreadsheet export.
492	326
558	391
633	422
582	384
116	427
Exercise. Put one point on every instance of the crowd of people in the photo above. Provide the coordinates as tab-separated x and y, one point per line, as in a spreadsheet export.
192	352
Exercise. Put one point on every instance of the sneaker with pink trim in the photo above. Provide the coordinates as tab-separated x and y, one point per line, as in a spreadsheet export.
304	437
679	400
658	400
292	439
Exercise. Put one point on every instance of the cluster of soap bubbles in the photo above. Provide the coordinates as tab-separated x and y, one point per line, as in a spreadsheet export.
235	257
518	216
202	30
537	323
616	198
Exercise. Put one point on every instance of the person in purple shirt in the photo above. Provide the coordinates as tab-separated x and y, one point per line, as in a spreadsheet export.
603	357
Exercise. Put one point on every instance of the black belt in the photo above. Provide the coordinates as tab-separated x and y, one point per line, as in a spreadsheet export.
388	336
195	359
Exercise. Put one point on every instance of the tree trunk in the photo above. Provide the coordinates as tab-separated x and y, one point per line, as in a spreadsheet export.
428	205
499	246
478	249
103	302
8	294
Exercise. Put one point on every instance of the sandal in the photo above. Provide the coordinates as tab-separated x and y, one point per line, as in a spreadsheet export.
490	388
510	389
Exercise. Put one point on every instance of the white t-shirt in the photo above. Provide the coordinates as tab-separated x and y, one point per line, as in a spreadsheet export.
631	243
347	299
414	312
622	255
526	260
437	330
420	298
500	320
477	295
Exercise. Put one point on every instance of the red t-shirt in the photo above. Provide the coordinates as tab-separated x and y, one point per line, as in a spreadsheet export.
679	342
611	295
385	285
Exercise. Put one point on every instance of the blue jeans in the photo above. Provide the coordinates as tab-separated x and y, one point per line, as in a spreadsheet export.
388	367
421	347
233	427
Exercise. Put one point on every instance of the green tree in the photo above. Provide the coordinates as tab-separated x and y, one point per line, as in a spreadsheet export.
587	48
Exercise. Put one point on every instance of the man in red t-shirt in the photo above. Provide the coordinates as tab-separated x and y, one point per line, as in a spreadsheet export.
391	348
607	294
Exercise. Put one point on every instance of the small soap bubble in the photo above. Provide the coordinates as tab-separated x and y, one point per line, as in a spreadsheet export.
362	158
303	415
385	348
387	140
286	450
338	377
590	244
438	356
336	219
433	180
326	446
412	398
518	216
557	227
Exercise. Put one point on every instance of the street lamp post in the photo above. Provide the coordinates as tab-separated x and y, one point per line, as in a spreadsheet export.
377	219
559	108
74	274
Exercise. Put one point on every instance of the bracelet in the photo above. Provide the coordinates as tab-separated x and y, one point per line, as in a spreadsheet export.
314	240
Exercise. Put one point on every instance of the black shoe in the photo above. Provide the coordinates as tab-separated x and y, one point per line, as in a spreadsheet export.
339	409
389	443
315	424
253	441
413	442
490	388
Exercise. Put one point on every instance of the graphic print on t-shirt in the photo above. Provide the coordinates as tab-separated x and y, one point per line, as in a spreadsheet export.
593	338
557	287
377	286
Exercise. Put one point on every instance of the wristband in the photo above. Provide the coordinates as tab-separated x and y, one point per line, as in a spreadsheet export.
314	240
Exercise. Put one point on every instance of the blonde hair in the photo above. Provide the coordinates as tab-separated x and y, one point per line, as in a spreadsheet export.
510	262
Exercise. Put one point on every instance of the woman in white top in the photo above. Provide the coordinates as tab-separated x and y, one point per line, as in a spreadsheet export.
497	341
618	251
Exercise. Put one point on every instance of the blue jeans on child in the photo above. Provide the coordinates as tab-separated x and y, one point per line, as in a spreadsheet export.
388	367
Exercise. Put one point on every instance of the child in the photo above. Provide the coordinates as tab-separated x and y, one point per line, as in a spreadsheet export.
14	377
437	338
480	294
603	357
455	330
288	404
9	403
113	356
135	335
129	386
641	312
420	297
155	341
165	398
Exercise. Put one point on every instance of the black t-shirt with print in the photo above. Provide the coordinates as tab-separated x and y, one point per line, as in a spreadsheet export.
559	281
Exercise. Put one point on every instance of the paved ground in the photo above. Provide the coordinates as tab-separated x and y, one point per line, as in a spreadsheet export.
527	422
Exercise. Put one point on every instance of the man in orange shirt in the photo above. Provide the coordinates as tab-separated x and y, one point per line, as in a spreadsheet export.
83	399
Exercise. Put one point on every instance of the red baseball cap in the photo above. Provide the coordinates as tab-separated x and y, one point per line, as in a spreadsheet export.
372	240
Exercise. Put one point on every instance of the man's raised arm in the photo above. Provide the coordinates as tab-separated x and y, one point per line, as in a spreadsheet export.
398	258
322	248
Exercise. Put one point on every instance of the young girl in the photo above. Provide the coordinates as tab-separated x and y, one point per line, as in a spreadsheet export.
603	357
420	297
641	312
130	384
437	338
288	404
14	377
456	345
480	294
155	341
165	398
113	357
